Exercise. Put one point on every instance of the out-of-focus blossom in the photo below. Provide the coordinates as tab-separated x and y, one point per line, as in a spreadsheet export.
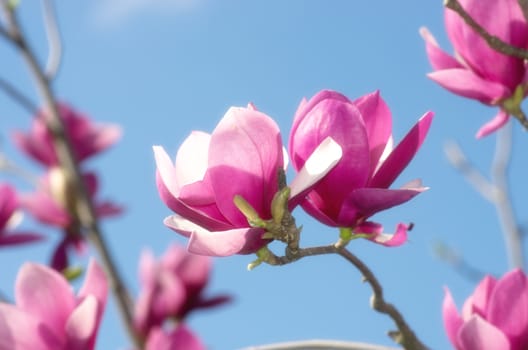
357	187
177	339
494	317
8	216
53	204
242	157
476	70
87	138
48	316
172	287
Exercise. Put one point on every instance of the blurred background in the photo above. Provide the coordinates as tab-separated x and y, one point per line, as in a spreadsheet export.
162	68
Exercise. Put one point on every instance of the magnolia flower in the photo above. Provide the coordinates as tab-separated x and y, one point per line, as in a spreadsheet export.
476	70
54	204
494	317
358	186
9	218
87	139
242	157
48	316
178	338
172	287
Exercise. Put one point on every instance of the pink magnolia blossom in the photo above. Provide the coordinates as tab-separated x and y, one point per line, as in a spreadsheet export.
87	138
241	157
175	339
494	317
357	187
476	70
53	205
48	316
172	287
9	205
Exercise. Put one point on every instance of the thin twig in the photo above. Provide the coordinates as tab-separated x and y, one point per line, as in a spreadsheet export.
493	41
503	204
54	39
84	207
319	345
18	96
405	335
496	191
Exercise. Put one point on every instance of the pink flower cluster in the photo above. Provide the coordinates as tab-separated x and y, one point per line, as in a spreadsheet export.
48	316
52	202
494	317
476	70
172	287
342	153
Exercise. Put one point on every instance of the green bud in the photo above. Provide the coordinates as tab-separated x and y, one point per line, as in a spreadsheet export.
279	204
71	273
249	212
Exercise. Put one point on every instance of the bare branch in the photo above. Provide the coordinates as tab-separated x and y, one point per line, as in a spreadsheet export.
405	335
84	208
503	204
320	345
18	96
54	39
496	191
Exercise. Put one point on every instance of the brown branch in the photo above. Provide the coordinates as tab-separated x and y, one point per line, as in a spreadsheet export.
18	96
494	42
405	335
84	207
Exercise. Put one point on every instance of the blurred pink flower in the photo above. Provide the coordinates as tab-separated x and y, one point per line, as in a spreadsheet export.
494	317
8	214
53	204
177	339
241	157
476	70
48	316
172	287
87	138
357	187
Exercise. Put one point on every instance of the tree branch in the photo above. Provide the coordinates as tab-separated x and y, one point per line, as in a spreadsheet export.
405	335
320	345
84	207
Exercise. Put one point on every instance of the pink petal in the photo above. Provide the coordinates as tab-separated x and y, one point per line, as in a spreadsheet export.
479	301
305	107
246	152
166	171
44	293
8	204
452	320
437	57
494	124
321	161
15	238
378	124
477	334
465	83
179	338
82	324
369	201
402	154
21	330
225	243
377	235
191	159
45	209
508	304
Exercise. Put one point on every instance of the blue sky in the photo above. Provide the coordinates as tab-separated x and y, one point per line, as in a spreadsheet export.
164	68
